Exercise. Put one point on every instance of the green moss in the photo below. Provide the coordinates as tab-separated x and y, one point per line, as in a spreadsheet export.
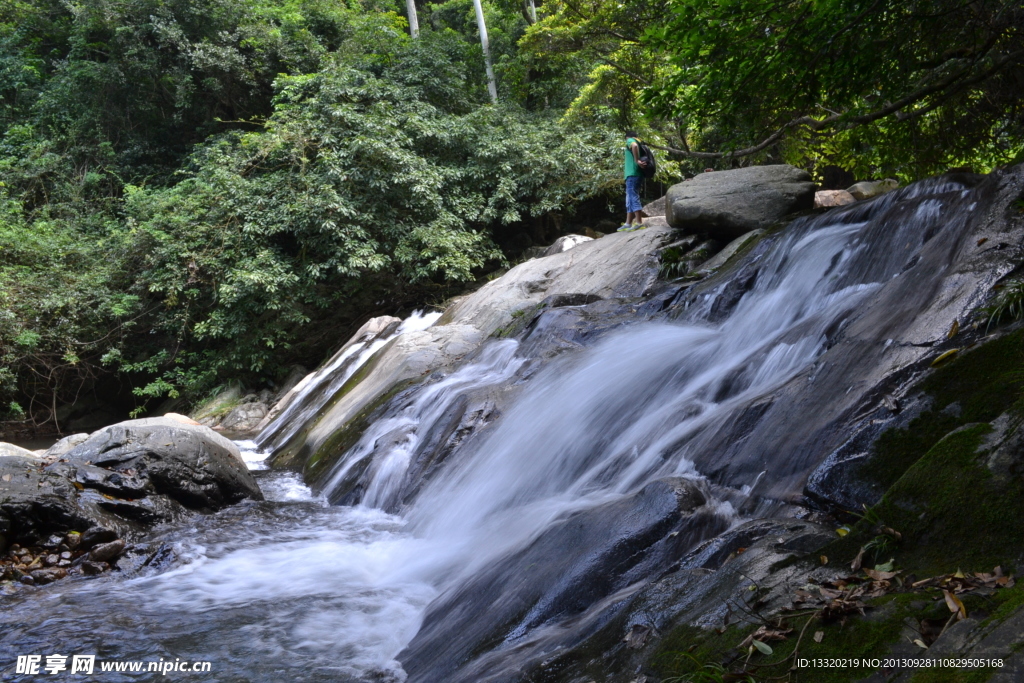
952	512
984	383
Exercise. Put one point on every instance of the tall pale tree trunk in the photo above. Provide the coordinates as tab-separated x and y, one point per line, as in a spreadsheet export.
531	12
414	21
492	87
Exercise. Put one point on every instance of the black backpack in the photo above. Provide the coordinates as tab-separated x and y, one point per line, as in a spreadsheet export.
647	155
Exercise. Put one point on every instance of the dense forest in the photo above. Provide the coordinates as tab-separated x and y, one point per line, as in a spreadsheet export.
199	190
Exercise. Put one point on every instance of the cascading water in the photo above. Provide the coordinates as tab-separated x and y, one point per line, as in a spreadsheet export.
296	589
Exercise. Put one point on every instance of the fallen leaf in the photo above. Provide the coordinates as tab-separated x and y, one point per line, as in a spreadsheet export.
855	565
944	357
880	576
6	477
824	559
953	330
920	643
818	635
982	241
843	531
954	605
763	648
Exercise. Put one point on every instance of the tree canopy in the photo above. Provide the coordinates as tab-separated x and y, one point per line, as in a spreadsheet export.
199	190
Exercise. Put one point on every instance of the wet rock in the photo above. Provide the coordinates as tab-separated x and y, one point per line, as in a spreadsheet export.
107	552
727	252
408	358
298	397
35	503
727	204
90	568
569	567
96	536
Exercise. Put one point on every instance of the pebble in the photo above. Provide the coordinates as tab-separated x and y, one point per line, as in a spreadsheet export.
107	551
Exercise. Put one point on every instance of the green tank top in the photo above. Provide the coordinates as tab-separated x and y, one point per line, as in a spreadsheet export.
632	168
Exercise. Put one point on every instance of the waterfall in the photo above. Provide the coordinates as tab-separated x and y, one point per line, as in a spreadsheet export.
415	564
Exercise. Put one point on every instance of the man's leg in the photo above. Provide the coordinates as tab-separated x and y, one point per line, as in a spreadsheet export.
633	206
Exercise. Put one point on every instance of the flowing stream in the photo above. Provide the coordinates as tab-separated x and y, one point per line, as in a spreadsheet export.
296	589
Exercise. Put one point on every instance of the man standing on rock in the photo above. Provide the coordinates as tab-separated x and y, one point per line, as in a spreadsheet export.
634	176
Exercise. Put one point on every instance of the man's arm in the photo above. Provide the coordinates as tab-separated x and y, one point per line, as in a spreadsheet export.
635	149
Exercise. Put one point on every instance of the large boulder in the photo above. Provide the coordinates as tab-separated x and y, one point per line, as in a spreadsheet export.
190	464
726	204
620	265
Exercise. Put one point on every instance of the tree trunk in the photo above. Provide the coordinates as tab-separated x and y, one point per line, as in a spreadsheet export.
492	87
531	11
414	21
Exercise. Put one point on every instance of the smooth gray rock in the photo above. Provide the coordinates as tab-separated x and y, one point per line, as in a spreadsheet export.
726	204
408	357
190	464
66	444
619	265
372	329
10	450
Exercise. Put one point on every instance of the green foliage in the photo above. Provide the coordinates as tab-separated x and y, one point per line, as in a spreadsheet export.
197	190
1008	303
908	87
902	89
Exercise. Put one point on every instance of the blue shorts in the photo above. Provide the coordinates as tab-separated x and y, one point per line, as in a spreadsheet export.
633	193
